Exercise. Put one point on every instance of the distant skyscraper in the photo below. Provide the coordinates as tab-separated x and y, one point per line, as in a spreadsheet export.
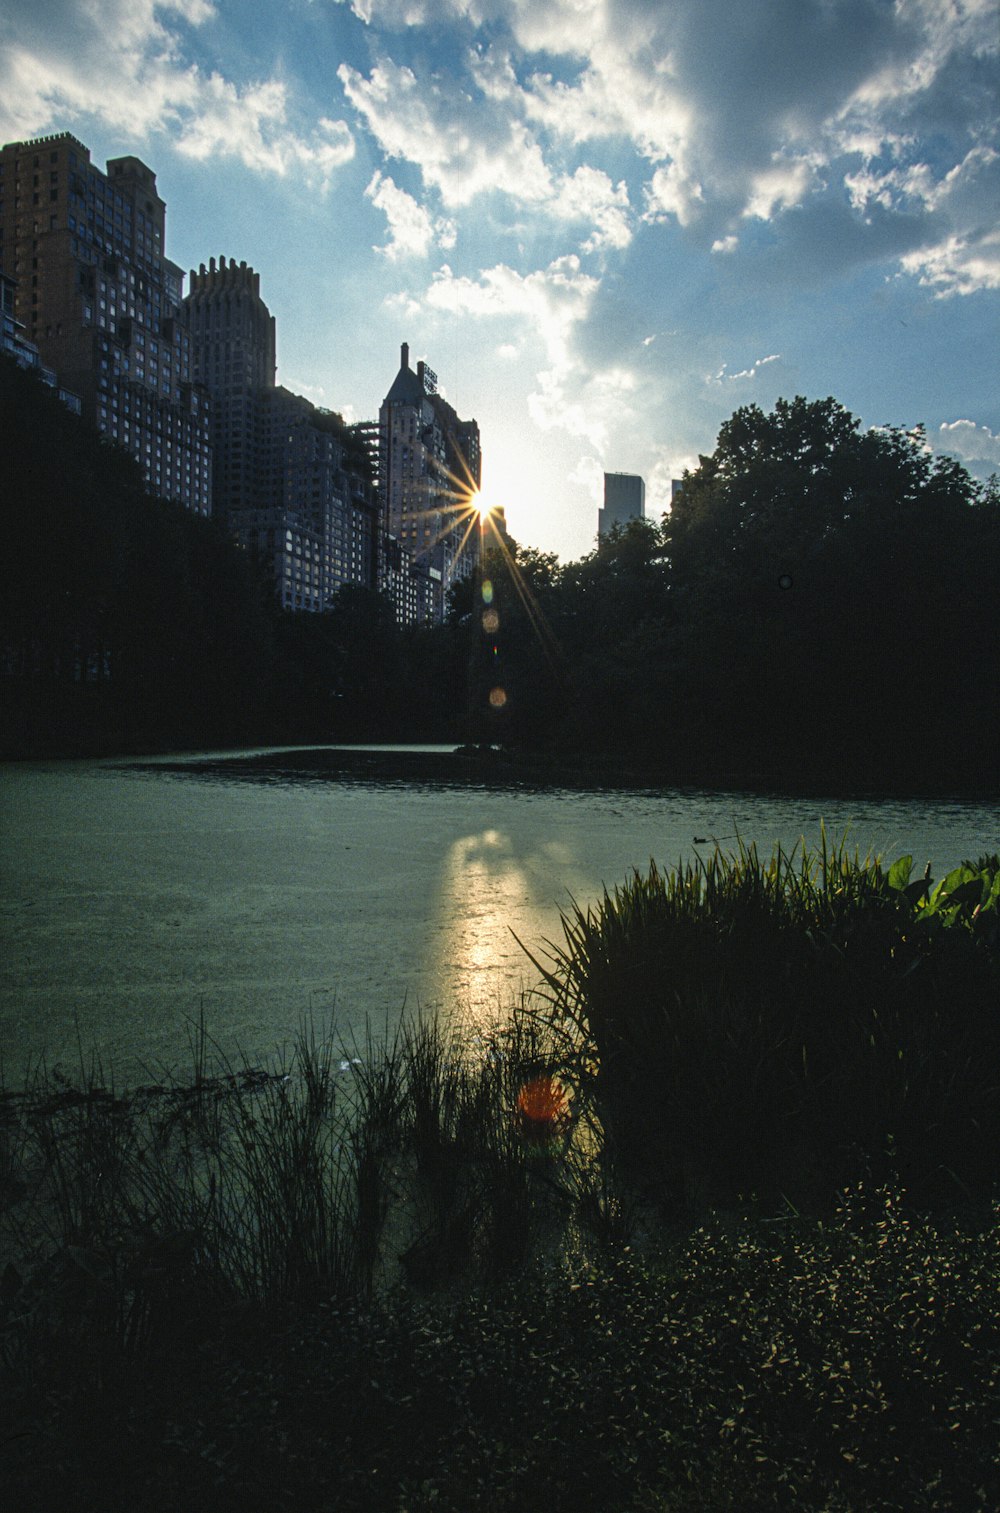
430	467
100	301
624	500
293	482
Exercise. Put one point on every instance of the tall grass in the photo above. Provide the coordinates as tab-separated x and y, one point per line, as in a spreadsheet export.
135	1216
781	1027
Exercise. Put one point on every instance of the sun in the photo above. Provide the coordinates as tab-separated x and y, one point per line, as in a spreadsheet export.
486	501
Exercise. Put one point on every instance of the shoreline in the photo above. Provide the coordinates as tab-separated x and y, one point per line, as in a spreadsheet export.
467	766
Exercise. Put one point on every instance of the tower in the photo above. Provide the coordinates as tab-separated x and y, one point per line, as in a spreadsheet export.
430	467
624	500
291	481
233	355
98	298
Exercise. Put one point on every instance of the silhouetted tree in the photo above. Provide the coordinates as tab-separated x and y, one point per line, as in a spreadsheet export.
820	568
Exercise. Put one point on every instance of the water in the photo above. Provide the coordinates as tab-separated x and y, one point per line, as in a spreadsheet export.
136	894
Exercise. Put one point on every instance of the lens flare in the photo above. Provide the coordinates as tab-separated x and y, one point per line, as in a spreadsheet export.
542	1109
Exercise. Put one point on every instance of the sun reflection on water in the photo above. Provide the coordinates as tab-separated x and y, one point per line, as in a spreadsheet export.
484	887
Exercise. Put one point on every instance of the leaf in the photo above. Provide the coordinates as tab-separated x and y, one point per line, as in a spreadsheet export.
899	873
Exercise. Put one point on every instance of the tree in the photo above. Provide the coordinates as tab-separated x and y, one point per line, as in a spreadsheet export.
819	568
126	621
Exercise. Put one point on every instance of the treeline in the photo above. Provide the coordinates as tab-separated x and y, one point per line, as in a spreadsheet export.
821	601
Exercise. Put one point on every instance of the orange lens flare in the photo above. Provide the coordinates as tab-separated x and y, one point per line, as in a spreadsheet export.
542	1109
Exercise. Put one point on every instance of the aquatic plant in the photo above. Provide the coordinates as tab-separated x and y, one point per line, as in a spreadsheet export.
779	1027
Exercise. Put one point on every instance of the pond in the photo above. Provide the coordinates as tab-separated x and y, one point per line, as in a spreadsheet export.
257	890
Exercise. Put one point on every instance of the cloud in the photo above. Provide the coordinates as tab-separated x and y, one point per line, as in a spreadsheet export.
784	184
958	266
588	405
967	258
412	229
722	377
465	147
549	302
589	197
671	192
462	147
540	313
712	116
124	64
969	442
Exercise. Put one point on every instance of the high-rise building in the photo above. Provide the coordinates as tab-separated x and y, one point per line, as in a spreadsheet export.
624	500
233	355
96	295
292	481
25	353
430	468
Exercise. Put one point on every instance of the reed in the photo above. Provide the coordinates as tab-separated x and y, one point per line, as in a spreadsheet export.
781	1027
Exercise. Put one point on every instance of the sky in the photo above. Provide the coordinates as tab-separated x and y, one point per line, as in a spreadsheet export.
605	224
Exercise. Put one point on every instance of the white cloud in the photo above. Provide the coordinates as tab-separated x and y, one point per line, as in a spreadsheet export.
588	477
589	405
957	265
726	244
412	229
465	147
541	312
588	196
967	257
550	302
784	184
667	466
969	442
252	126
722	377
671	191
122	63
461	148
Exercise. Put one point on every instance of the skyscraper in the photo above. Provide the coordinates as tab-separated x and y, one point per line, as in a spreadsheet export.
292	481
96	295
233	355
624	500
430	467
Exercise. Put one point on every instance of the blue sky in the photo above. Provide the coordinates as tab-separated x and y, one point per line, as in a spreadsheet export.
604	223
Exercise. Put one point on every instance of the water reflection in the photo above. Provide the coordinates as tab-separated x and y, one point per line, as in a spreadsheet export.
486	887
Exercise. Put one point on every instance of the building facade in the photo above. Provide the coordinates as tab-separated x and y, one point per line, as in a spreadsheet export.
15	344
233	354
430	467
624	500
292	481
96	295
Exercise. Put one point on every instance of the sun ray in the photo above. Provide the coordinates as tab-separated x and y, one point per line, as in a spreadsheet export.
539	624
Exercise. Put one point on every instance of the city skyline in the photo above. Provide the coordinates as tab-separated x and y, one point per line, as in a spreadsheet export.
607	225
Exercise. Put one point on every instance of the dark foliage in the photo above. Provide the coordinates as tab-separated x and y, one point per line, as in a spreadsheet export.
126	622
819	605
804	1367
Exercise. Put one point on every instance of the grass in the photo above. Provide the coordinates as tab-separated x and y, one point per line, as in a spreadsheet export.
706	1225
778	1029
